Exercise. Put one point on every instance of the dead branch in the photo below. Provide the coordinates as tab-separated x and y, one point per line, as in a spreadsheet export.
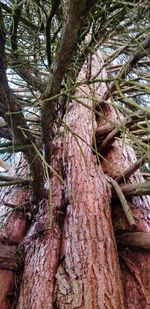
129	65
132	169
105	145
12	114
123	201
136	189
140	240
146	175
14	179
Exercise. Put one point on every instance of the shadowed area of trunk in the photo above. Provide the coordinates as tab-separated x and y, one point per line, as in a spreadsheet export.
42	245
12	230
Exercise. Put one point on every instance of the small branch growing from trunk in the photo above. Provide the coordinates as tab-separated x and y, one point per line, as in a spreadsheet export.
15	180
129	65
136	189
139	240
12	183
105	145
10	148
132	169
123	201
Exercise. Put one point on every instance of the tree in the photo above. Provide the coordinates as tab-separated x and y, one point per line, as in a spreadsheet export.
74	104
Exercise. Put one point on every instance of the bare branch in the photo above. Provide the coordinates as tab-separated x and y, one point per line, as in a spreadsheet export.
136	189
5	165
133	60
12	148
24	20
123	201
132	169
139	240
146	175
14	179
105	145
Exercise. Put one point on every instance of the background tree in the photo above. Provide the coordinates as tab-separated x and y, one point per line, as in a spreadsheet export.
74	105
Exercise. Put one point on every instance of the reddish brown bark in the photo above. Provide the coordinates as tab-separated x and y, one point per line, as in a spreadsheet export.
88	275
6	285
8	257
135	264
86	270
12	231
43	250
74	263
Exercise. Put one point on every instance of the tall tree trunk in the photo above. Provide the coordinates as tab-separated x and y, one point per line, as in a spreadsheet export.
71	259
80	262
135	264
88	275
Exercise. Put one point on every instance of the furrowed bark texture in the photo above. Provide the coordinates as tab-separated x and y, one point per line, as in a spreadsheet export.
135	264
7	279
88	275
12	231
42	249
8	257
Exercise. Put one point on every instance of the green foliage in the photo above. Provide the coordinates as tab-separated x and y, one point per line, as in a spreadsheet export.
35	32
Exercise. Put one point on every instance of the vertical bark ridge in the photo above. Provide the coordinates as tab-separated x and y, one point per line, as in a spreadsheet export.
88	275
7	279
43	250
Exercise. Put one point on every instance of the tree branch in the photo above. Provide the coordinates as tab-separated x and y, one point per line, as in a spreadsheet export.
123	201
146	175
5	166
135	120
24	20
136	189
76	12
129	65
55	5
139	240
15	179
132	169
105	145
13	183
23	70
11	148
14	117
